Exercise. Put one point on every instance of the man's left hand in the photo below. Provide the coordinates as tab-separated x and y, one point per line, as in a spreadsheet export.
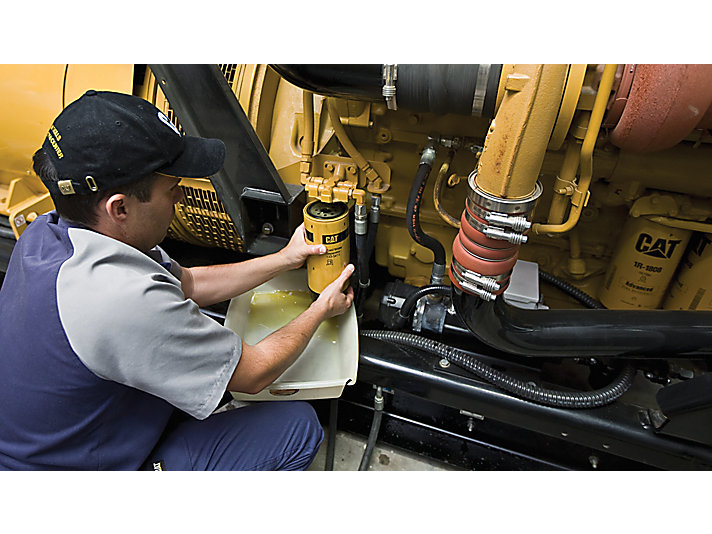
297	250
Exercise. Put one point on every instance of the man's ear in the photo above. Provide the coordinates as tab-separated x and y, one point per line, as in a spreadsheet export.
115	207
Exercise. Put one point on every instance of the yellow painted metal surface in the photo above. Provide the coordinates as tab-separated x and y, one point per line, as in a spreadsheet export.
534	110
516	142
32	96
692	287
643	264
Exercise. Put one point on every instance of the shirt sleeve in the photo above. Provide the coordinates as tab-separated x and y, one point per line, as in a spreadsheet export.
128	320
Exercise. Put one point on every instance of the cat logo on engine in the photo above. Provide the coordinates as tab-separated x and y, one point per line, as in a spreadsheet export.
660	248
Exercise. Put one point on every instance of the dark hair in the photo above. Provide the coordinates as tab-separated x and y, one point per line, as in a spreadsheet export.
82	208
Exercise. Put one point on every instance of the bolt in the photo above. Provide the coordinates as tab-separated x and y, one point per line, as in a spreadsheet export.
267	229
444	363
593	459
470	424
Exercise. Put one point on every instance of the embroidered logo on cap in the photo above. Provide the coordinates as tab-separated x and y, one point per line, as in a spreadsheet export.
167	122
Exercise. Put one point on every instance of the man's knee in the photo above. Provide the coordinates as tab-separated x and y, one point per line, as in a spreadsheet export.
306	417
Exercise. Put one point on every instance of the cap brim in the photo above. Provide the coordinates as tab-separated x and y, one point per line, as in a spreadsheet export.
201	157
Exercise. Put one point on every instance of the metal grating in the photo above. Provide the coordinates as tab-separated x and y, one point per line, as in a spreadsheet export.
204	216
230	72
201	218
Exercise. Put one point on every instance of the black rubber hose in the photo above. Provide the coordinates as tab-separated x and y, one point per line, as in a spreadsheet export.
373	433
571	290
406	309
519	388
367	244
413	215
362	273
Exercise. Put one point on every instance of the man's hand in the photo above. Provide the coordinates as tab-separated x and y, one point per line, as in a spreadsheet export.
297	250
334	300
262	363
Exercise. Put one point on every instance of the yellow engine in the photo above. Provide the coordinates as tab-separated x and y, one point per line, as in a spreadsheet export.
622	154
462	186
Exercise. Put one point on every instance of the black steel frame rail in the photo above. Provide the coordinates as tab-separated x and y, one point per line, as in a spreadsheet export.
614	429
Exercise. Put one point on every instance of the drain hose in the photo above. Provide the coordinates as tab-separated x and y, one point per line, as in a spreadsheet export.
520	388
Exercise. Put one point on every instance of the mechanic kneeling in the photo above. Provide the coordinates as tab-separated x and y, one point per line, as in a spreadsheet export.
107	361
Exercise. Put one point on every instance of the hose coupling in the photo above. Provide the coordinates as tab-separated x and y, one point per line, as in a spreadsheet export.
378	401
438	274
360	217
428	156
390	75
375	214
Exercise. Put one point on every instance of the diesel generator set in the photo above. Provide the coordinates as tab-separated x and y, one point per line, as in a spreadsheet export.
533	242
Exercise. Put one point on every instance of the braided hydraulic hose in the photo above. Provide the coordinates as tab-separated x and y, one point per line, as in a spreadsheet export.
520	388
584	298
413	216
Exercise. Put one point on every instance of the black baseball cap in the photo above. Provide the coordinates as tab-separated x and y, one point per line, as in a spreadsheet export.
104	140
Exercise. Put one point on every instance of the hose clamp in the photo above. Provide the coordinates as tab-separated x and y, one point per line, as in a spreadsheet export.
390	75
508	206
476	284
494	232
469	286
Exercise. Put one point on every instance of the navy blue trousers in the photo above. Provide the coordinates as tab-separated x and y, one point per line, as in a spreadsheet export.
264	436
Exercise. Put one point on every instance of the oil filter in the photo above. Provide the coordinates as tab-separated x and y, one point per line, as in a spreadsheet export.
326	224
643	264
692	287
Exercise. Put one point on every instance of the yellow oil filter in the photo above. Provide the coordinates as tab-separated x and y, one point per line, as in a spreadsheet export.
327	224
692	287
643	264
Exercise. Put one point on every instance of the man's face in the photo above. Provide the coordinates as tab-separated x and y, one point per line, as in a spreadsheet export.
150	220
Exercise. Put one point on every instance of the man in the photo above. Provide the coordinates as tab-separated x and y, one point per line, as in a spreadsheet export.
103	349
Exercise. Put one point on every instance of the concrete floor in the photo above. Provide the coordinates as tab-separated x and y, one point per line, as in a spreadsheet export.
349	451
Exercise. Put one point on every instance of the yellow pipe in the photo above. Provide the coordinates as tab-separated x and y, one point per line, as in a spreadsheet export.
437	191
350	148
515	145
565	180
308	138
589	141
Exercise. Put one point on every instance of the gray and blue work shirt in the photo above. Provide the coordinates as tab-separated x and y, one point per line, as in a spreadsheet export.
98	346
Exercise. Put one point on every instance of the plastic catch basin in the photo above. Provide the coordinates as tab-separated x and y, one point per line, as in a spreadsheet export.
330	360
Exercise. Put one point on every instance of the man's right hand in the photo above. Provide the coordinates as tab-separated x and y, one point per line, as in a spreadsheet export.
334	300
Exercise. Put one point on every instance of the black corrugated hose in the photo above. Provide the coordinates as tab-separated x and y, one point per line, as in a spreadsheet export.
520	388
584	298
